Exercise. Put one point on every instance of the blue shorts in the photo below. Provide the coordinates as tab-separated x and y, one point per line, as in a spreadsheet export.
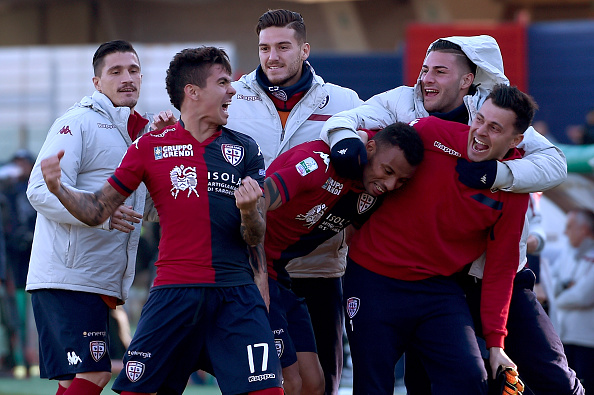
223	330
290	323
73	333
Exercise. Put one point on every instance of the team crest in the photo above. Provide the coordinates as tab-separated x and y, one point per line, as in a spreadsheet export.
313	215
97	349
182	179
352	306
280	346
232	153
365	202
134	370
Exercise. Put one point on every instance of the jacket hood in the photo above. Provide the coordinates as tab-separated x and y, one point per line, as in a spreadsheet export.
484	52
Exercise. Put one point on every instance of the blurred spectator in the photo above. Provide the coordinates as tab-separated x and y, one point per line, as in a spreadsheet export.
584	133
535	243
573	286
18	223
543	128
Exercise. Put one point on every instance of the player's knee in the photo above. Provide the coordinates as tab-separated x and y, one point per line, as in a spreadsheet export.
292	383
100	379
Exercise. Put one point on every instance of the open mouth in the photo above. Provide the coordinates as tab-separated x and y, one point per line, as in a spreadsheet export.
479	146
226	105
431	92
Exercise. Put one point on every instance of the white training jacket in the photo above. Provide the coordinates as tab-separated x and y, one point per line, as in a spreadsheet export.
253	113
543	167
66	253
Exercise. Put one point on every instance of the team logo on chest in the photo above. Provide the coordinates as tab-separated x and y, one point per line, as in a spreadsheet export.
232	153
182	179
313	215
134	370
97	349
365	202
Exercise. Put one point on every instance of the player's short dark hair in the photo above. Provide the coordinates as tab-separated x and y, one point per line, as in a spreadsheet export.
402	135
107	49
192	66
283	18
511	98
442	45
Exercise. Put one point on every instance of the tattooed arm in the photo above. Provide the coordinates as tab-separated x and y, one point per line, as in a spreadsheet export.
258	262
247	199
90	208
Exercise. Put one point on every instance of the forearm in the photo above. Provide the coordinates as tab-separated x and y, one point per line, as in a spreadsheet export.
253	226
90	208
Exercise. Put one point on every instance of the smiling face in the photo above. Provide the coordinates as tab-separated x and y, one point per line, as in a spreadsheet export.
120	79
387	168
492	133
444	81
215	97
281	55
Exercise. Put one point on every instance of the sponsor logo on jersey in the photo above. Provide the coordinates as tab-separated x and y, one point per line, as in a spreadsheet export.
173	151
313	215
142	354
106	126
334	223
97	349
445	149
365	202
325	157
65	130
134	370
352	306
183	179
306	166
278	331
223	182
280	346
73	359
333	186
232	153
248	98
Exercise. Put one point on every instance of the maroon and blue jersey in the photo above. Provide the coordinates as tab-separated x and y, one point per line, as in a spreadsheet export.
317	204
192	185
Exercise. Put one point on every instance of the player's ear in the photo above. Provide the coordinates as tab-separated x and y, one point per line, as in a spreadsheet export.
370	147
517	139
192	91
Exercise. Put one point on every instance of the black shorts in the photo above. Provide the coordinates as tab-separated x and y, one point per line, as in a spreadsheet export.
290	323
224	331
73	333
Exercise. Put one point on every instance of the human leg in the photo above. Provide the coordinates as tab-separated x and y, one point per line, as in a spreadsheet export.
324	302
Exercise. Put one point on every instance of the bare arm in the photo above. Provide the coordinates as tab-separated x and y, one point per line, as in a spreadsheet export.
260	268
90	208
247	198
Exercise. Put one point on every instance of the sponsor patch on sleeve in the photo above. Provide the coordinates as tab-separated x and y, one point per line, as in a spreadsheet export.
306	166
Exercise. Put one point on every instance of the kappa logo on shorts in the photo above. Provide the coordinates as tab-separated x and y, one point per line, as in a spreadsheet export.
97	349
365	202
280	346
73	359
134	370
352	306
232	153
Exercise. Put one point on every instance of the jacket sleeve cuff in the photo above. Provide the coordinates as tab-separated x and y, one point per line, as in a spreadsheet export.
338	134
504	178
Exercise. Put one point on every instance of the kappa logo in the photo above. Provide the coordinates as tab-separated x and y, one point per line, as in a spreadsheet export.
365	202
306	166
280	346
134	370
97	349
484	179
342	151
183	178
65	130
352	306
313	215
232	153
325	157
73	359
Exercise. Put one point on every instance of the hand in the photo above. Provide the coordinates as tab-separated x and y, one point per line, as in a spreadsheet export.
248	194
52	174
163	119
497	358
477	175
531	244
123	219
348	156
